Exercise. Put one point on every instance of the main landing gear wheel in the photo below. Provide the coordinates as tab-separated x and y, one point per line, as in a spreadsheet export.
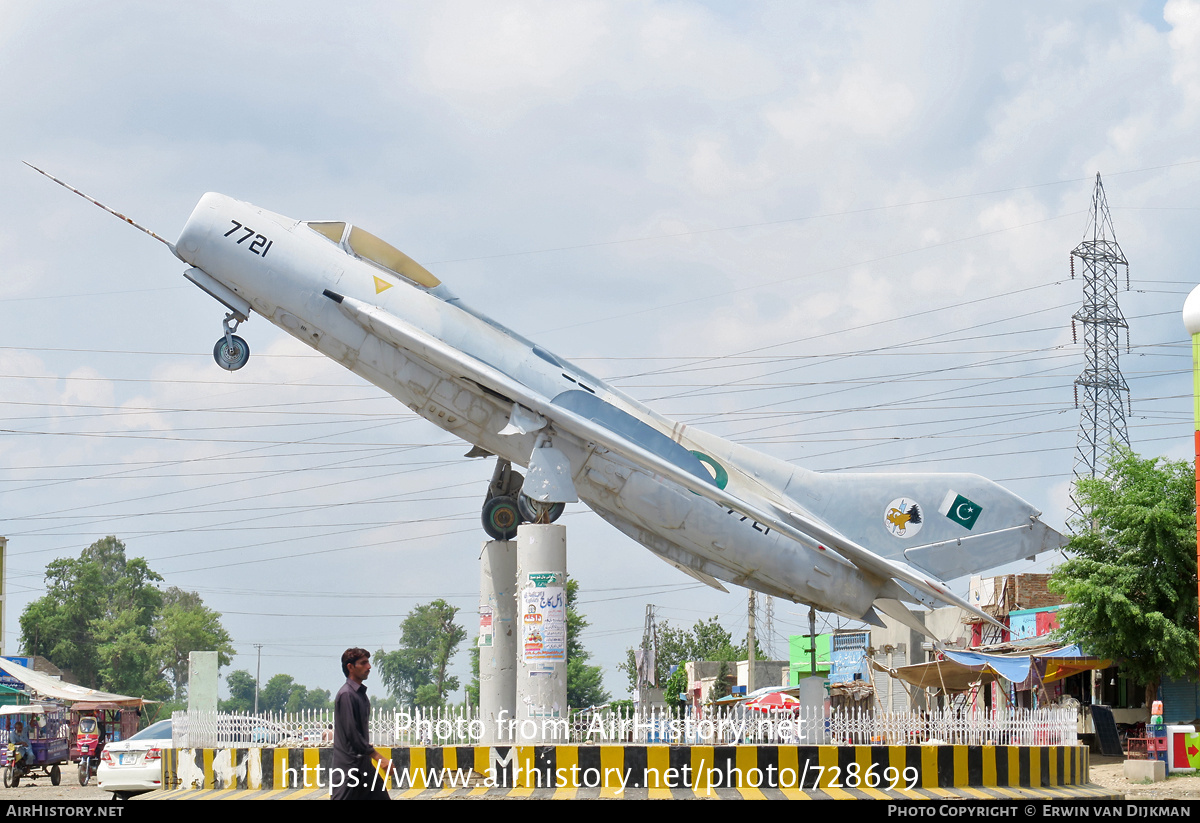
501	518
55	775
532	511
231	353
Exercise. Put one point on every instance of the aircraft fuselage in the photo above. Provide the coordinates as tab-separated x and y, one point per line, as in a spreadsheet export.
282	268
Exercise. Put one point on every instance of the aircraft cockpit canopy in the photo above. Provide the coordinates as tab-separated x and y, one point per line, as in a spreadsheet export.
366	246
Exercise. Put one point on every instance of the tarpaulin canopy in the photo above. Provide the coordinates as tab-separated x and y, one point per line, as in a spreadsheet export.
29	708
959	671
757	693
53	688
774	702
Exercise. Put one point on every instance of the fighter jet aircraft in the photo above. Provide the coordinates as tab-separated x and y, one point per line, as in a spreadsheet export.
853	544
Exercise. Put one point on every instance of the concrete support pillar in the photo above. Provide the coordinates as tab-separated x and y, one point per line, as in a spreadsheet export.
202	682
542	648
498	636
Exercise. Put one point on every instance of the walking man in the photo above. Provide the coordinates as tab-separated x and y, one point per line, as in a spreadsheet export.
358	771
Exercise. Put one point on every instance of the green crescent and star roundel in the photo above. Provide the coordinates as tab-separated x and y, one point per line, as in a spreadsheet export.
961	510
719	475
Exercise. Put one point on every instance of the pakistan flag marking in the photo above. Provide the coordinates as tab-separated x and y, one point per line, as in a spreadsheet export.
959	509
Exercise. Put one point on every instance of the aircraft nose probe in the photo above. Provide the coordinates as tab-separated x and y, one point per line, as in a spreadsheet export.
231	352
113	212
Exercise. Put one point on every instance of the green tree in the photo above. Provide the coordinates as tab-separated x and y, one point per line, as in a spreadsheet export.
273	697
417	673
127	658
585	684
472	688
281	694
84	596
305	699
675	685
721	687
105	620
711	641
186	625
241	687
707	640
1131	582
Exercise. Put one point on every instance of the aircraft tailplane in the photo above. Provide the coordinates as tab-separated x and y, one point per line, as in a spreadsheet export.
872	617
902	614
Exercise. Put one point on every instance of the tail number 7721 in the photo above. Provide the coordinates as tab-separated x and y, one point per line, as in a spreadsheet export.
261	245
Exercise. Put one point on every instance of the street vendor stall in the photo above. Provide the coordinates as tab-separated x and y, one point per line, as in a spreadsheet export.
116	714
958	671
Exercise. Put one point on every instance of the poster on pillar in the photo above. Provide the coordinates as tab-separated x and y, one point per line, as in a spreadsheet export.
544	619
485	627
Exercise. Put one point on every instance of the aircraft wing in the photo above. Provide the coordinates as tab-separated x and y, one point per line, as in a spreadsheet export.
793	524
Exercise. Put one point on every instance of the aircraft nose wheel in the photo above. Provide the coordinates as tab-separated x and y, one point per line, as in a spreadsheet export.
231	353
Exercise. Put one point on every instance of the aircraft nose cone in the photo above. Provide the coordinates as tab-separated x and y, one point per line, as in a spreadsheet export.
196	230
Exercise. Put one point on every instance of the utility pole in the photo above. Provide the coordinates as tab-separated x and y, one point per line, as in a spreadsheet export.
751	606
769	642
646	663
257	675
1102	426
812	641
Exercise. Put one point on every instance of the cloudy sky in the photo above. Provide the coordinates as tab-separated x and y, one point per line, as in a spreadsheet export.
838	233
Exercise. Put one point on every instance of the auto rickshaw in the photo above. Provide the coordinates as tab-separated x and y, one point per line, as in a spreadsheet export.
90	738
46	726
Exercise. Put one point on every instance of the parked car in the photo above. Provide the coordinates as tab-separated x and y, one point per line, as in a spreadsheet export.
134	765
248	730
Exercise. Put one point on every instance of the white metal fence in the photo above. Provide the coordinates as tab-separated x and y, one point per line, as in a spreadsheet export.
726	726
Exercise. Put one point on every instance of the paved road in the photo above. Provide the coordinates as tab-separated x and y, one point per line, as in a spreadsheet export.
41	789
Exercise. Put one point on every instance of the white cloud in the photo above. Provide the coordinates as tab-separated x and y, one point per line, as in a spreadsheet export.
861	104
515	54
1184	40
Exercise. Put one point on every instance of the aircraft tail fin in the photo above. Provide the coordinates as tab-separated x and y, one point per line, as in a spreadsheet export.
950	525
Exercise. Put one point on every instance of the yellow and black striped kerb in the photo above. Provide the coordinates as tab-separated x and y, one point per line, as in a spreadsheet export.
882	771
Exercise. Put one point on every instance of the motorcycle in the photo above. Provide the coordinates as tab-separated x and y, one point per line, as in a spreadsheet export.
16	769
90	748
